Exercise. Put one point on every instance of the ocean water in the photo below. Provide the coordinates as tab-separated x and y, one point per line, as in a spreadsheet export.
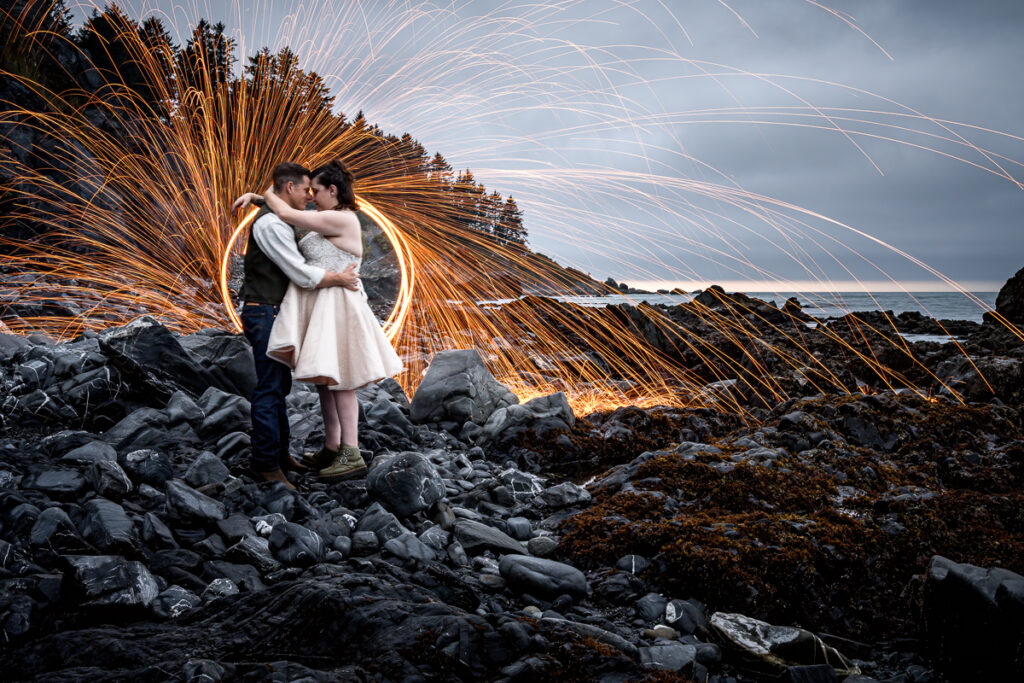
938	305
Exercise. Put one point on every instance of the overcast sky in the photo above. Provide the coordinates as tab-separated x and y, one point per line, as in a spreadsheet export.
615	122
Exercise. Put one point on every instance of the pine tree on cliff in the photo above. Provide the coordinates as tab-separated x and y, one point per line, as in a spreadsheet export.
510	229
280	73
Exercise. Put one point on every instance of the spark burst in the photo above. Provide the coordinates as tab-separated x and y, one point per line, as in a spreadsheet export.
147	229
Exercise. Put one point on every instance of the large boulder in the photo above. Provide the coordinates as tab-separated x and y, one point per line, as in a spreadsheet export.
540	416
760	646
405	483
542	578
974	620
458	388
1010	300
152	361
226	356
112	581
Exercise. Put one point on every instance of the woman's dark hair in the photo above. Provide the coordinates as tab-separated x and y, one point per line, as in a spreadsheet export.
336	173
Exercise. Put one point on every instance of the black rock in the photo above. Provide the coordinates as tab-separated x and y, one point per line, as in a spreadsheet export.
108	527
364	543
236	527
810	673
542	577
477	537
1010	300
295	545
152	361
685	616
651	607
94	451
226	356
224	413
142	428
458	388
563	495
148	466
409	547
55	529
381	522
256	551
187	505
174	601
634	564
108	479
405	483
540	416
207	468
111	580
974	619
671	656
156	534
65	484
519	528
245	576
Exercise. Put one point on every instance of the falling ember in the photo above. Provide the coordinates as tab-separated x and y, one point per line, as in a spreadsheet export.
144	227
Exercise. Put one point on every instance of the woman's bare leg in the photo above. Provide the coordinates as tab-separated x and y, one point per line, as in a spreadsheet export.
332	423
347	406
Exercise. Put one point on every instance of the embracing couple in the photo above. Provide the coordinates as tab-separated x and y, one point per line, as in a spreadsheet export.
305	311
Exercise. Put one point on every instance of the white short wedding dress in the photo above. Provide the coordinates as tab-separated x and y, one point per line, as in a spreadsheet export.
330	336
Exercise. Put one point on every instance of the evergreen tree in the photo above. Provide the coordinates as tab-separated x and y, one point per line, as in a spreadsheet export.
305	92
510	224
208	57
31	33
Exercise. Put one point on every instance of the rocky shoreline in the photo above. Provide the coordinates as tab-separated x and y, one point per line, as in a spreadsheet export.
834	536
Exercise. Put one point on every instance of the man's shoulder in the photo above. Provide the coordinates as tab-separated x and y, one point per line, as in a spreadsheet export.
270	220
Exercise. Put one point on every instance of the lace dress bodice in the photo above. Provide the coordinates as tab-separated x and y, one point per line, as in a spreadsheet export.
318	251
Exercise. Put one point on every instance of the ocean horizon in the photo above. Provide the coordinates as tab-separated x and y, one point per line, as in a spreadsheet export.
938	305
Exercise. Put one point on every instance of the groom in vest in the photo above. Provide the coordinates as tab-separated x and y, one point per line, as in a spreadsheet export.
272	259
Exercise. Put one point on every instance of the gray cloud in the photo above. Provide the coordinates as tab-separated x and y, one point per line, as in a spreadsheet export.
521	97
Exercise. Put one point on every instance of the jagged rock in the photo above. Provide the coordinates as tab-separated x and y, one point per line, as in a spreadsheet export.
541	415
542	577
94	451
458	388
220	588
364	543
142	428
111	580
226	356
256	551
974	619
758	643
408	546
405	483
224	413
148	466
156	533
108	479
386	417
188	505
381	522
107	526
152	361
175	601
55	529
477	537
55	483
686	616
296	546
563	495
207	468
1010	300
181	408
522	485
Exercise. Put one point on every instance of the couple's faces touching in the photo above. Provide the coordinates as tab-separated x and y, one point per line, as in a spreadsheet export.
297	194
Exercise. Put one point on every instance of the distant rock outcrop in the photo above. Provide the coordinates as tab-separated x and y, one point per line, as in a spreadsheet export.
1010	300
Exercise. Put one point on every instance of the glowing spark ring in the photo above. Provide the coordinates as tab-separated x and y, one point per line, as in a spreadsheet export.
396	320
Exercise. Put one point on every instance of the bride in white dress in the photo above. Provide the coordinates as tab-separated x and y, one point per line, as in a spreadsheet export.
329	336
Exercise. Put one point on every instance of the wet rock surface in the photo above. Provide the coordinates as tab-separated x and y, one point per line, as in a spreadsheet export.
873	536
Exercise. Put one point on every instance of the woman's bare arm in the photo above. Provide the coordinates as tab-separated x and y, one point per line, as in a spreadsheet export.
328	223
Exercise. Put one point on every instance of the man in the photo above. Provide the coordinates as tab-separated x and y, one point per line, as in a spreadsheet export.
272	258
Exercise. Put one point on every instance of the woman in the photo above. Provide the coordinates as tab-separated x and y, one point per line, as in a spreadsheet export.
330	337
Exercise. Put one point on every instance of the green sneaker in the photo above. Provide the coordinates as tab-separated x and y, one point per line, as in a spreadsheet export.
349	463
319	460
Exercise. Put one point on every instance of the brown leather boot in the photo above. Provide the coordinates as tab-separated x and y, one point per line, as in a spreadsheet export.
275	475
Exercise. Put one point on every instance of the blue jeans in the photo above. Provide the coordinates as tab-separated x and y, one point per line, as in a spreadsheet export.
273	382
